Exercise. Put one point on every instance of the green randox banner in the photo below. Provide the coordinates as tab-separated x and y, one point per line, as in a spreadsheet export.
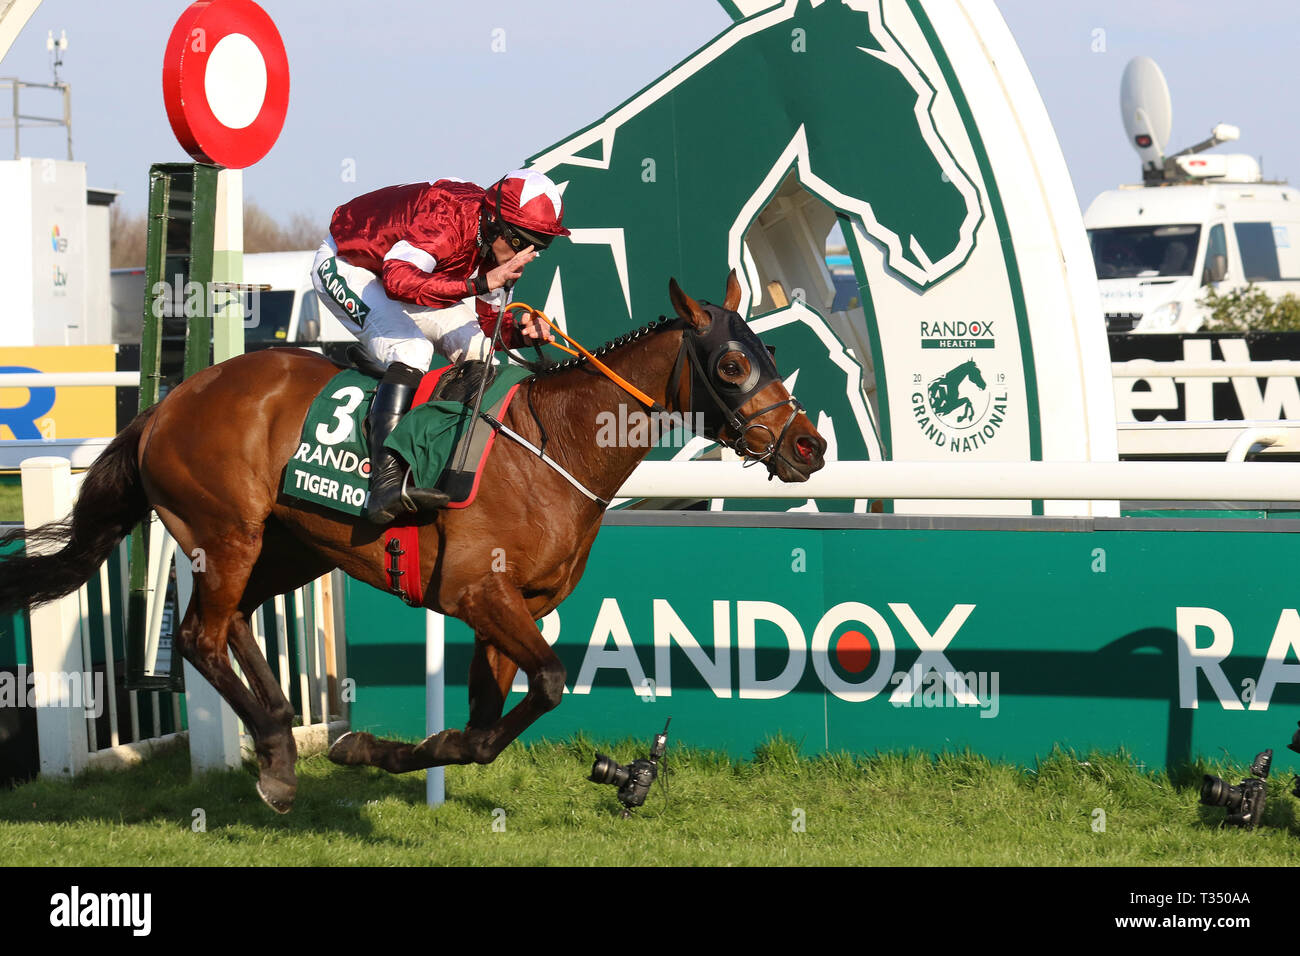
1167	638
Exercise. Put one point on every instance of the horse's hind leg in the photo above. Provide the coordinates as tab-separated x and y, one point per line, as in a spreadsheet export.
204	642
210	623
275	747
281	566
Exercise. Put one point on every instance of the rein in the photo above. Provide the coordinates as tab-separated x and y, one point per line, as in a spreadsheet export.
581	352
726	412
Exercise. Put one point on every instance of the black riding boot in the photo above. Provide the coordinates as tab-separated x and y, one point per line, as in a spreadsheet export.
388	473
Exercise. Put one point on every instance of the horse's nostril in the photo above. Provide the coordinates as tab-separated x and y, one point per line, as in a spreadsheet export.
805	447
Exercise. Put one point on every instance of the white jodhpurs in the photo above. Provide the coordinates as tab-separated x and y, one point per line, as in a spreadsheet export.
394	331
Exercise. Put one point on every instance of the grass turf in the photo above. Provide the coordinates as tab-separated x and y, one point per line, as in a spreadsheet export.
11	499
884	810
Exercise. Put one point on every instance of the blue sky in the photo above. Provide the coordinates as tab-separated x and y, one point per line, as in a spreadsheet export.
413	90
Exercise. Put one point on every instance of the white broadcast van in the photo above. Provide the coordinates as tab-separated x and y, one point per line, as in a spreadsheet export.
288	313
1196	222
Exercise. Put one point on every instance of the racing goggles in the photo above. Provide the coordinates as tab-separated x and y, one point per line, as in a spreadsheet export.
519	238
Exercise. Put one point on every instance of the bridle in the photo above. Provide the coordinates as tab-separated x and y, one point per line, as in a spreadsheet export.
704	351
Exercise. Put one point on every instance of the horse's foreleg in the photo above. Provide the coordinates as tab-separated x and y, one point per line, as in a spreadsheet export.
487	694
507	640
500	618
490	675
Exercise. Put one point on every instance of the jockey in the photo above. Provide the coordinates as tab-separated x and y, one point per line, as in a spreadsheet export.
427	267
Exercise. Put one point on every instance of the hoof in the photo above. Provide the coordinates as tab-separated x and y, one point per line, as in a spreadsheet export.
351	749
277	794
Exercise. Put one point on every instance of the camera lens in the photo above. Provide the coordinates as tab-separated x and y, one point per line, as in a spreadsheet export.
606	770
1216	793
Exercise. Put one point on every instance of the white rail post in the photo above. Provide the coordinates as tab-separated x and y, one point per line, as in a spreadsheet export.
976	480
434	679
56	628
214	730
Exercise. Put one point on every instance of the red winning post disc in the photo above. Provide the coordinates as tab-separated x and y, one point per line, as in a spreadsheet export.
226	82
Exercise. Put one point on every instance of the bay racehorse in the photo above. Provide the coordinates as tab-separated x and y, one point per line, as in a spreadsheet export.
210	458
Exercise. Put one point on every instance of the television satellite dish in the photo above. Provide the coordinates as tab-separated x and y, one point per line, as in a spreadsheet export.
1146	110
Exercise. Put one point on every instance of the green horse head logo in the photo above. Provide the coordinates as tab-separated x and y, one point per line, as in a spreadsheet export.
668	182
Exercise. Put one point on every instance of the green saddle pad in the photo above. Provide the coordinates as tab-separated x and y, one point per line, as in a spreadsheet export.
427	434
331	466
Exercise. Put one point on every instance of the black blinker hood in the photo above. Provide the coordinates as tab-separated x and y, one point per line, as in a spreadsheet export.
726	332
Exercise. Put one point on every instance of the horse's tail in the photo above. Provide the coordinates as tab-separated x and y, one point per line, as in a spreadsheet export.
111	502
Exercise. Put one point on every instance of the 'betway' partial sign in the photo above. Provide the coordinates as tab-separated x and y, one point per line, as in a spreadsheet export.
1206	398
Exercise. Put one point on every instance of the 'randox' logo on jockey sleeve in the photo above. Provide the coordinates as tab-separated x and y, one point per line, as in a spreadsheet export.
339	291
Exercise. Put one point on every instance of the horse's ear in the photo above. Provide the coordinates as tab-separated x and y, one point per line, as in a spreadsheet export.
687	308
733	293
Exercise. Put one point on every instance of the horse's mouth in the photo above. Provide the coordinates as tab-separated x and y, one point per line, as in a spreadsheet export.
807	456
805	448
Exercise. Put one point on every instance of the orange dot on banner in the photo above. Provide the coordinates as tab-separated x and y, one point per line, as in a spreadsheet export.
853	651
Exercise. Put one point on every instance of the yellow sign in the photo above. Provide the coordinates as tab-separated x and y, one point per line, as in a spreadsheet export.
67	412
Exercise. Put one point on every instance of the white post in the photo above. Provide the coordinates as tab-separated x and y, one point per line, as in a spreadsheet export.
282	643
162	548
300	619
110	671
214	730
56	628
318	649
434	721
228	264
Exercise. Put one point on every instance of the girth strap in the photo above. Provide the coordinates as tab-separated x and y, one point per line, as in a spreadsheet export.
402	547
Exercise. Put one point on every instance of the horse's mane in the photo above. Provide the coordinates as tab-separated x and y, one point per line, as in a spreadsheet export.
662	324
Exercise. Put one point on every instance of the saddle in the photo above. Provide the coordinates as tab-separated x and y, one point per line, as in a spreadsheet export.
434	437
460	384
452	383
